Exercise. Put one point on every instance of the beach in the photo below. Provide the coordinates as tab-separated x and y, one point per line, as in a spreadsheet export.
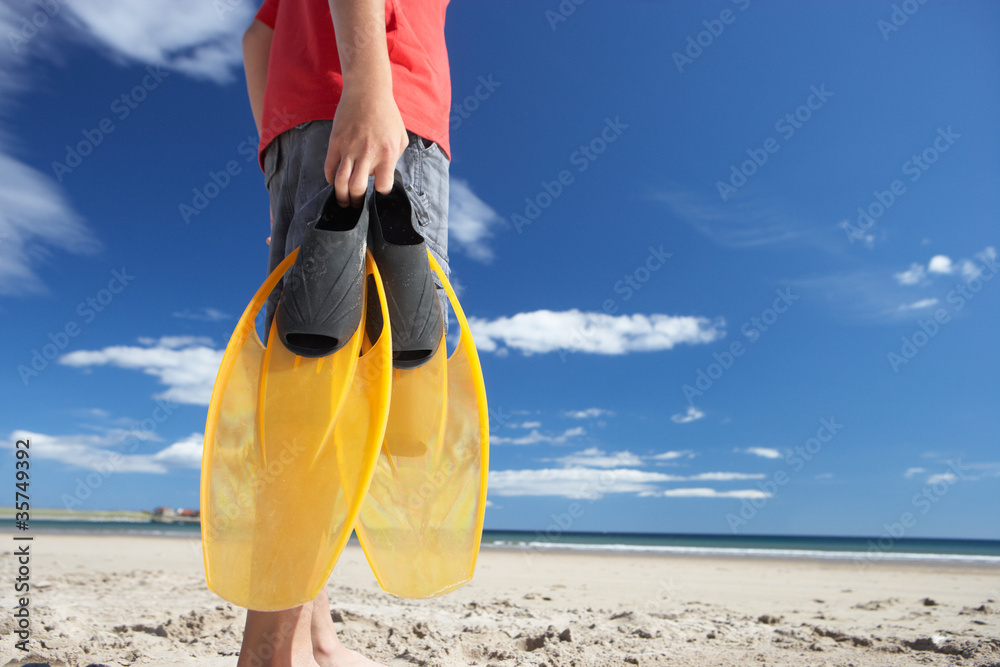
134	600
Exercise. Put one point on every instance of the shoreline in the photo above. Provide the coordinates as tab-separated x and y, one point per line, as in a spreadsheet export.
141	600
790	555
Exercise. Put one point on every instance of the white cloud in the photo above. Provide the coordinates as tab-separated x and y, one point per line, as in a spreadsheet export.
940	264
691	415
185	364
764	452
527	425
471	221
596	458
917	305
707	493
184	453
200	38
35	218
911	276
544	331
589	483
943	265
910	472
100	452
943	477
724	476
203	315
589	413
535	438
673	455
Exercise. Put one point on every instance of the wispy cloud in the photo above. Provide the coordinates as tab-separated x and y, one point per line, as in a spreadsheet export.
912	276
199	38
537	438
919	305
910	472
471	221
674	455
186	365
581	483
589	413
735	224
35	219
692	414
597	458
724	476
202	315
707	493
544	331
191	36
943	265
763	452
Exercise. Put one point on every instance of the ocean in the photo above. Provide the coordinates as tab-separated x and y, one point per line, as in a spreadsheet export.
858	549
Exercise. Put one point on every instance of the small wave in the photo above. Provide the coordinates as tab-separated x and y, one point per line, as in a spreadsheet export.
751	552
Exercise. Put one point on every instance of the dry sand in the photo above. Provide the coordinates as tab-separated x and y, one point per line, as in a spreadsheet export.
117	600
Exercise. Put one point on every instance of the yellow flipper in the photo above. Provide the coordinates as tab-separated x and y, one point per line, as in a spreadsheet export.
422	522
290	447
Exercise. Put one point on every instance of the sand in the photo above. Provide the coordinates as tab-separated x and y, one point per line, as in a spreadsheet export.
122	600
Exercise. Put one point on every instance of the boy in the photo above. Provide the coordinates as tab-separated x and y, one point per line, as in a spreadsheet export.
343	92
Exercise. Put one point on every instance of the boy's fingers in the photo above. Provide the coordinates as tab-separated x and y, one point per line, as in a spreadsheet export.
384	174
332	164
341	181
359	182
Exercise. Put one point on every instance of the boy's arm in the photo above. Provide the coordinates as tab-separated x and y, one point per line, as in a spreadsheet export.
256	50
368	134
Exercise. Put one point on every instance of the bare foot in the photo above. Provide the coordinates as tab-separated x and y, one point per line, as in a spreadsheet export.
327	649
278	639
344	657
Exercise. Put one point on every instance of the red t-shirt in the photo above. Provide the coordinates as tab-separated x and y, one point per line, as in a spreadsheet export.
304	81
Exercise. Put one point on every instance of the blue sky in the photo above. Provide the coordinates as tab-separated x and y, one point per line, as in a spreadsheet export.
737	283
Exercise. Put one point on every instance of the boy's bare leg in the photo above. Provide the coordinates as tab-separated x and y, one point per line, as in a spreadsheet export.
327	649
278	639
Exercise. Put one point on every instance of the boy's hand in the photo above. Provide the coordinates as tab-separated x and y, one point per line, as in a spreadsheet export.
368	137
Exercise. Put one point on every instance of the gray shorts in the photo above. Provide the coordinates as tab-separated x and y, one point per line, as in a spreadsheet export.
293	174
